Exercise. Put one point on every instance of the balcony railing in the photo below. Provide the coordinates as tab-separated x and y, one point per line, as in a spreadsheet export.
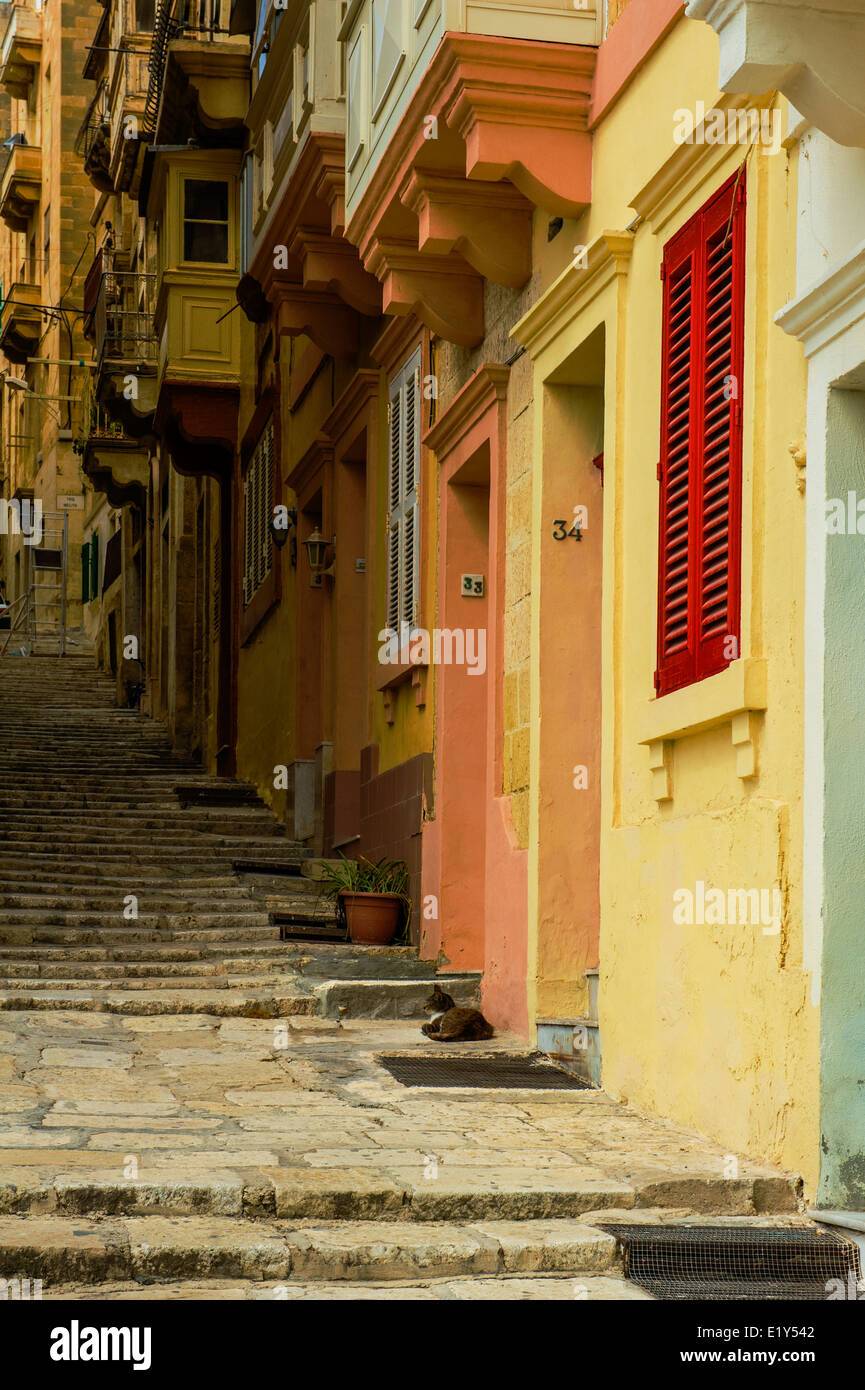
206	20
31	270
123	318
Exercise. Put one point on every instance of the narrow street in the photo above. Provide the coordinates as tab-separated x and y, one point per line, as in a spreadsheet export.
192	1108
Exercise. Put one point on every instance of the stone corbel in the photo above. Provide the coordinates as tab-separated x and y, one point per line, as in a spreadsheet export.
318	314
744	730
442	292
523	114
121	471
333	265
807	49
394	677
661	766
489	225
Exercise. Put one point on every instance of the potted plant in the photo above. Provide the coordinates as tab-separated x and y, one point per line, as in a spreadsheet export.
374	897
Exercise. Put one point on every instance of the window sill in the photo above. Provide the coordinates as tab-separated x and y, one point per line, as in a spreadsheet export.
736	696
393	676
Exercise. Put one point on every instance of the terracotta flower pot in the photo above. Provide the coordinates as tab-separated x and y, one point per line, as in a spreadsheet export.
373	918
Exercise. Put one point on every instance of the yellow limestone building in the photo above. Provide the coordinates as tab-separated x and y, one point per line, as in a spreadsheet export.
656	357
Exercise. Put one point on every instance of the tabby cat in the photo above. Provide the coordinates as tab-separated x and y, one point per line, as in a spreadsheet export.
450	1024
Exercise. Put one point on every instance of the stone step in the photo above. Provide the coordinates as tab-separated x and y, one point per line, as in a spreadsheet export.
108	936
239	915
64	1249
609	1287
144	953
382	998
226	1003
155	982
105	899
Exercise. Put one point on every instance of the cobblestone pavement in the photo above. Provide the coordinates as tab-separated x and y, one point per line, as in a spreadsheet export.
88	1099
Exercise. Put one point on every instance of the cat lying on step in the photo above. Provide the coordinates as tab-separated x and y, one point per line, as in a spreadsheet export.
450	1024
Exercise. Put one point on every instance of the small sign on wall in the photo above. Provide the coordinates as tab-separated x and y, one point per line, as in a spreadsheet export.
70	503
472	586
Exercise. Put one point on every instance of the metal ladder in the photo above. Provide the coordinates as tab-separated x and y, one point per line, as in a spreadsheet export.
41	618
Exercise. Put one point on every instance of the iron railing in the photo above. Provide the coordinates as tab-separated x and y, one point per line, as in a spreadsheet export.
206	20
123	317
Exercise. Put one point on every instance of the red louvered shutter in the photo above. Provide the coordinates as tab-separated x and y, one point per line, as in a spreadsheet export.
701	442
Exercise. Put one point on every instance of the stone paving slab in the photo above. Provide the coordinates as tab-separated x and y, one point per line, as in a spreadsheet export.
295	1117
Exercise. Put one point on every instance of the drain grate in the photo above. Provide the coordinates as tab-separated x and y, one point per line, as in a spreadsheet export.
691	1262
486	1073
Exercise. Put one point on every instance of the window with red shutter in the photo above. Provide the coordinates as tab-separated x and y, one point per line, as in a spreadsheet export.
700	469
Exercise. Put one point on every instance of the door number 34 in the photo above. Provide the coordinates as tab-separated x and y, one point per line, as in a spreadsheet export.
561	532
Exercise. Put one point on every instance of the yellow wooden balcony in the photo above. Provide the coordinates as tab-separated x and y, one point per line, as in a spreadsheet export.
194	195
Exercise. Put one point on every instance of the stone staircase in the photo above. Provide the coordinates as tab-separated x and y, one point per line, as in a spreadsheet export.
267	1161
123	875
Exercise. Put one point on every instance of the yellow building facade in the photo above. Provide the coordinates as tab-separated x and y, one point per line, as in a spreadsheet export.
704	1002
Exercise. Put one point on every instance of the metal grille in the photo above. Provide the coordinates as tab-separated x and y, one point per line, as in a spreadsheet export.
485	1073
724	1263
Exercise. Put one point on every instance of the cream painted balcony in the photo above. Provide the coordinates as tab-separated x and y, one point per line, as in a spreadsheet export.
19	54
116	463
296	194
389	45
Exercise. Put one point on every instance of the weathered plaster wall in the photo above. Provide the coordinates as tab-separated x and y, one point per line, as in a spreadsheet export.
711	1025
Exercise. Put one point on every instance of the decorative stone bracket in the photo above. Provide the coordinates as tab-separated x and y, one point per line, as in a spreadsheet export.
120	469
319	315
489	225
330	264
811	50
445	294
522	109
736	696
394	677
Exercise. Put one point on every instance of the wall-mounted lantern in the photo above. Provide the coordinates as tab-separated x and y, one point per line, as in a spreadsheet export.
316	548
279	533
